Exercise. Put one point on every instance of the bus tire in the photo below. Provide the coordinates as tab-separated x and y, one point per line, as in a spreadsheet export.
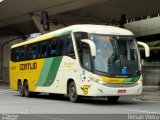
113	99
20	89
26	89
72	92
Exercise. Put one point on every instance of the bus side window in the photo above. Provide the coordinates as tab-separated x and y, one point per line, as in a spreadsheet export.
21	53
35	51
59	46
68	49
13	55
78	37
25	53
38	50
44	49
86	56
29	53
17	54
52	47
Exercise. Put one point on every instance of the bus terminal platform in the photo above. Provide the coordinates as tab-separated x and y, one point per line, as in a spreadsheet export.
150	93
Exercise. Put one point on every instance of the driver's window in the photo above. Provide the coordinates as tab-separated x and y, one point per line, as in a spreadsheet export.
86	57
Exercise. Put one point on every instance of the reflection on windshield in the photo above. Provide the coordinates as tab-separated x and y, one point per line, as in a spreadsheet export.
117	56
105	50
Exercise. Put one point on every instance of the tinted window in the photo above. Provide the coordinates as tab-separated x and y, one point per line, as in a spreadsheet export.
44	49
78	37
49	48
29	53
17	54
13	54
35	51
52	47
68	49
86	57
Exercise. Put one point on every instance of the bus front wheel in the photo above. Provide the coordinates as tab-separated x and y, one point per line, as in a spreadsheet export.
113	99
73	93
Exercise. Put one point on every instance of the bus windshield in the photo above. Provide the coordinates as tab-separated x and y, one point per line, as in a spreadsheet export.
116	55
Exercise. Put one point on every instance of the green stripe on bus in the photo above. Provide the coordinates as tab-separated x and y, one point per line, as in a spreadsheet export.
44	71
134	79
49	71
53	71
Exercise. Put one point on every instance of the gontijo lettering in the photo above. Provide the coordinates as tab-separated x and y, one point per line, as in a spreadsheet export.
28	66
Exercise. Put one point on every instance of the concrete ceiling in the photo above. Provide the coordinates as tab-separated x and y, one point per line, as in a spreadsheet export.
17	13
113	9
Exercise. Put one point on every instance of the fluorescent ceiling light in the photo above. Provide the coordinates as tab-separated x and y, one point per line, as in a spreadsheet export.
1	0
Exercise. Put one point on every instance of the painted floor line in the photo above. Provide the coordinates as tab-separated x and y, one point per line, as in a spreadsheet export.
141	111
7	91
2	90
51	118
134	99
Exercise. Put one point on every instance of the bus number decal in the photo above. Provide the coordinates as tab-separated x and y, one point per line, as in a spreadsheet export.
85	89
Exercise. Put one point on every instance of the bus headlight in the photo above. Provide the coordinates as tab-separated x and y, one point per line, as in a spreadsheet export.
140	81
102	82
97	80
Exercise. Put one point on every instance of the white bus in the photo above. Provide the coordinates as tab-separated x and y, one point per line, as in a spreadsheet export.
79	60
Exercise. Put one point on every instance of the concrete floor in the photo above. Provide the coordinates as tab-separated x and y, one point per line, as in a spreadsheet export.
44	107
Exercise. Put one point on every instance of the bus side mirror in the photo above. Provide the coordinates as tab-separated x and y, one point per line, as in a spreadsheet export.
91	45
146	48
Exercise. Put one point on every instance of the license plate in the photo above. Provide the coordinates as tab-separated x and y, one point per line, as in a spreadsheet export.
121	91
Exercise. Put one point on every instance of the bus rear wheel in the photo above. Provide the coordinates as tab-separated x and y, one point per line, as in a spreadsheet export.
20	89
73	93
26	89
113	99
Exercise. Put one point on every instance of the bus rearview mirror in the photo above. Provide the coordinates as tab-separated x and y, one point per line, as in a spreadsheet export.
146	48
91	45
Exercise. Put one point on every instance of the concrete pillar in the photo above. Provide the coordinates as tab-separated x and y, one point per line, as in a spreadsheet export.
5	56
37	20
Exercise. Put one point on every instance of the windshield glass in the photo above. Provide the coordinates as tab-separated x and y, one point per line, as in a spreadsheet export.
116	55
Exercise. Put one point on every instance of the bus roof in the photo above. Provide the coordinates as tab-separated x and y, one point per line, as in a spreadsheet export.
97	29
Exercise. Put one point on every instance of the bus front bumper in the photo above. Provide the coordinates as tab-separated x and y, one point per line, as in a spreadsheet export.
104	90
